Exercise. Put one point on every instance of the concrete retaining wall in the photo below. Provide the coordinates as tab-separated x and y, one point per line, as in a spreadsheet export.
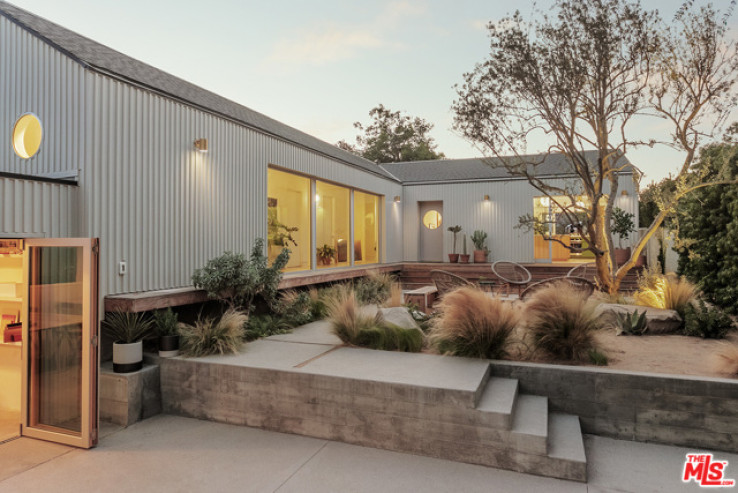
687	411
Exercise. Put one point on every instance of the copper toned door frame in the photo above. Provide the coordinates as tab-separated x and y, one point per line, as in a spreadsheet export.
89	413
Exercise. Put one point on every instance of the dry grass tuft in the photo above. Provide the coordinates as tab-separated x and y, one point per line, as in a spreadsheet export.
669	292
561	323
207	336
725	361
351	323
473	324
395	299
345	314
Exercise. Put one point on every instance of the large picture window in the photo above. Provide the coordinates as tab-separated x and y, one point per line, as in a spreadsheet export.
332	224
288	218
366	228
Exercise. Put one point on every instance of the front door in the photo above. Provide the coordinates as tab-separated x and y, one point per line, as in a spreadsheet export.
60	361
431	231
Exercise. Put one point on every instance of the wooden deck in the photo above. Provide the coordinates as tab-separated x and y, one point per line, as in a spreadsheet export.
417	274
412	275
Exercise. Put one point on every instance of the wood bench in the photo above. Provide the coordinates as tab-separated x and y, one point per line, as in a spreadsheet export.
423	297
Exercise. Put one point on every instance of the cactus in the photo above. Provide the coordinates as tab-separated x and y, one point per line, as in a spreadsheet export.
465	245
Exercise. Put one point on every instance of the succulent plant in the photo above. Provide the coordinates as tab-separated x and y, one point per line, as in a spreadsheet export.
632	323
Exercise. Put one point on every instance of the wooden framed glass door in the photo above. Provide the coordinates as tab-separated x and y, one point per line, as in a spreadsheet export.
60	361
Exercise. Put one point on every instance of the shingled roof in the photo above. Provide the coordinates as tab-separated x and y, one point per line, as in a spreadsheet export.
460	170
98	57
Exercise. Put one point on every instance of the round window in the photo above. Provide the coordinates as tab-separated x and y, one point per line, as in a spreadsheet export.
27	136
432	219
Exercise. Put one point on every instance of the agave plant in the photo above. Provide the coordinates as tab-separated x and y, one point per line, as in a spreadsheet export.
632	323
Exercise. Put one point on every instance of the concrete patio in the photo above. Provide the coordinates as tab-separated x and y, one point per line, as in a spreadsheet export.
168	453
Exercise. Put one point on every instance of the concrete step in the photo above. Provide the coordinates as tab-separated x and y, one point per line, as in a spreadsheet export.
530	424
566	446
497	404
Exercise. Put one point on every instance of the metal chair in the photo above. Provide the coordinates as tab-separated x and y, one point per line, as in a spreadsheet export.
586	271
512	274
446	281
580	284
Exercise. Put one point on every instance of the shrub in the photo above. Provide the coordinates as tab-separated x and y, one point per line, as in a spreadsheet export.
472	324
561	323
294	307
353	326
236	280
725	361
665	291
597	358
703	321
208	336
373	289
126	327
264	326
165	322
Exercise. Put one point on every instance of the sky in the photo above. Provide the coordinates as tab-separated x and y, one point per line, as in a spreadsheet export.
321	65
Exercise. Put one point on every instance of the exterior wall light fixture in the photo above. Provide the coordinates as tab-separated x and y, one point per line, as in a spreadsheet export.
486	198
201	145
624	193
397	199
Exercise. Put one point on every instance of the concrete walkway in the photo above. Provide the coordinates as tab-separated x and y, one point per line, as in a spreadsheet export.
174	454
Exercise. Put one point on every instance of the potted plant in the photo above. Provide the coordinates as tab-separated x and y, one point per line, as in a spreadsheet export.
622	225
454	257
127	331
480	250
167	326
464	258
326	253
279	234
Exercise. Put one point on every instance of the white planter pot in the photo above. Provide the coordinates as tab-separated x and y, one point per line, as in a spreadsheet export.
127	357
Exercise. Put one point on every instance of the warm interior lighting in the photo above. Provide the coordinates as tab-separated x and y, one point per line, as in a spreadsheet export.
397	198
27	135
201	145
486	198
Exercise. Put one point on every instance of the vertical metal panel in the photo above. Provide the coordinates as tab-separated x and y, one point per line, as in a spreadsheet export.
165	208
36	78
463	204
38	209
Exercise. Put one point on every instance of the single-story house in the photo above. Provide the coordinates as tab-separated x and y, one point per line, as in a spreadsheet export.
116	177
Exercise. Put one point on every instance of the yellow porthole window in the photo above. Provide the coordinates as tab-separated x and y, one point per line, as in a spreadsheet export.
27	136
432	219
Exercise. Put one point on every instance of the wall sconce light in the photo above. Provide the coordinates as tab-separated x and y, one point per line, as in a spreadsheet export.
624	193
486	198
201	145
397	199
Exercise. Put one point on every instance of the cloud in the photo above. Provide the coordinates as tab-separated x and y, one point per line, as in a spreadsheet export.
324	43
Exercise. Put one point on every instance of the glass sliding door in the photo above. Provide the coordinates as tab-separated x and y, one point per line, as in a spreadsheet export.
288	220
333	224
366	228
60	341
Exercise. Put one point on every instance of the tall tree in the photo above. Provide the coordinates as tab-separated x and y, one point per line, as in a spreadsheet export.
393	137
580	77
707	222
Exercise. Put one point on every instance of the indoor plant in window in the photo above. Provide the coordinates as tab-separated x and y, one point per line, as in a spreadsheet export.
454	257
622	225
127	331
326	253
167	327
480	250
464	258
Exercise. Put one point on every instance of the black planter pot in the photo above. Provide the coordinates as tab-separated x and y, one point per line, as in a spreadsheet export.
168	346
